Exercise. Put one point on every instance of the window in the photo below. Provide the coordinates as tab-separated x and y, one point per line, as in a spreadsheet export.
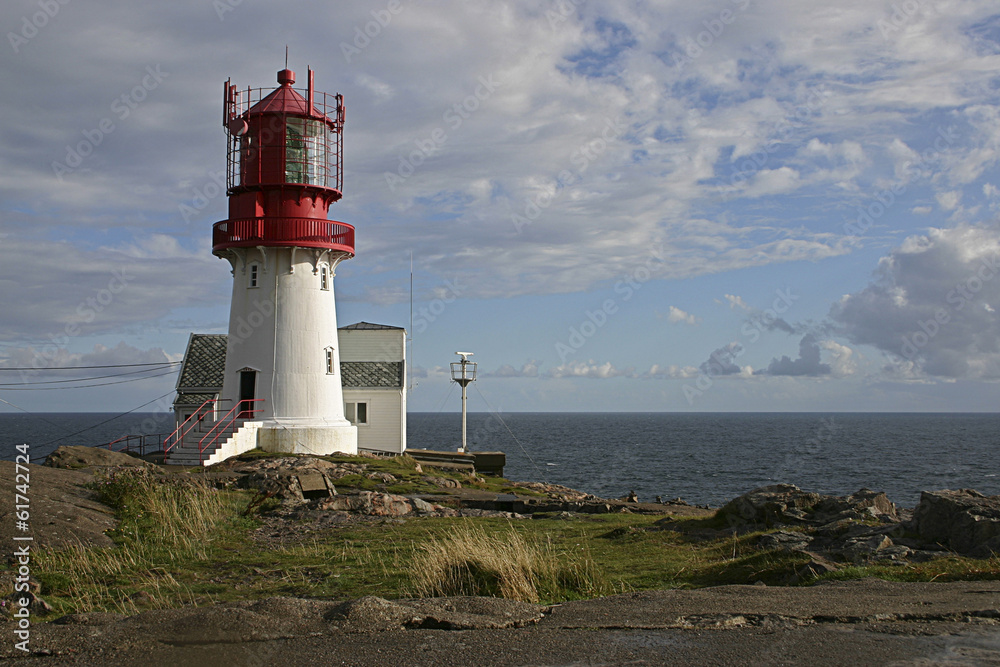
324	277
356	412
330	361
306	151
253	275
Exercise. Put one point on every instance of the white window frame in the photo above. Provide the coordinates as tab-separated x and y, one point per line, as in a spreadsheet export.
331	361
351	411
253	280
324	278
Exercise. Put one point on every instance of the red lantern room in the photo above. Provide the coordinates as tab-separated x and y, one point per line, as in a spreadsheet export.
285	163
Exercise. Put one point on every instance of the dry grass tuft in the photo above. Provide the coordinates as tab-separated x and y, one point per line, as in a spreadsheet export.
471	561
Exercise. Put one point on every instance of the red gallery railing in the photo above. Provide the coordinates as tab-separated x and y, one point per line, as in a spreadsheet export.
295	232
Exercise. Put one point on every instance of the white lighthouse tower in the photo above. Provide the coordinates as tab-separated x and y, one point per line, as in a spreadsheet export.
282	371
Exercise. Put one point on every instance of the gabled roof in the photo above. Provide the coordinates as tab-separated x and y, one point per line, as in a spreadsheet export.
371	374
204	363
368	326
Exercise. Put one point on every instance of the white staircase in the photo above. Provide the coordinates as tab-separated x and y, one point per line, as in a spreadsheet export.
234	439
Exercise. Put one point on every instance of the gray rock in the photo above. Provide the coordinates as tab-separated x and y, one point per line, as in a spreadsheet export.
965	520
768	505
785	540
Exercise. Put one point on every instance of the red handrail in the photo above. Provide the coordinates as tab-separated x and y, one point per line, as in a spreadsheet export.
227	420
142	442
194	414
280	231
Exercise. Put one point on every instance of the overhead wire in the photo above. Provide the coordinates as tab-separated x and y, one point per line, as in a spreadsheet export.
76	368
84	386
83	379
496	413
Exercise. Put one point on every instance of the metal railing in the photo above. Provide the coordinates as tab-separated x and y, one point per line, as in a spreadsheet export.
142	442
242	410
177	436
280	231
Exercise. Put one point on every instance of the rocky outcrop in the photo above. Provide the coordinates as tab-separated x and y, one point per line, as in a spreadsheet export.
787	504
379	504
79	456
965	521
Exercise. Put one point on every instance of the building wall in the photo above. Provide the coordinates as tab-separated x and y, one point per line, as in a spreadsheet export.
282	328
386	430
372	345
386	425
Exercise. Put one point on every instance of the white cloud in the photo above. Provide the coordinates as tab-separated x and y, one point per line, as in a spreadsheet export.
934	304
949	200
678	316
589	369
735	302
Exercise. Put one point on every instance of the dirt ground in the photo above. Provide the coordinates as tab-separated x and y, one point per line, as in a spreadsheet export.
864	622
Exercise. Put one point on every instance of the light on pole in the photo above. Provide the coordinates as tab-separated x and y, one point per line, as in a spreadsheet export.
463	372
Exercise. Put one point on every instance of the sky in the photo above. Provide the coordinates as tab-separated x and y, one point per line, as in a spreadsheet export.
726	205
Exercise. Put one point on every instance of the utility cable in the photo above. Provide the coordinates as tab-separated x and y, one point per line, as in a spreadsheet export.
84	386
76	368
495	412
95	377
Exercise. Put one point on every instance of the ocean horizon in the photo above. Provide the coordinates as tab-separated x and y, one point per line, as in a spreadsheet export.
702	457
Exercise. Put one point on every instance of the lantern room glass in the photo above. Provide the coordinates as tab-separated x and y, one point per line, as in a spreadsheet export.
306	151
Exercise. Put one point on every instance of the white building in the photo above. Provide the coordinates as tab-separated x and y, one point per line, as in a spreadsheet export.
372	372
373	375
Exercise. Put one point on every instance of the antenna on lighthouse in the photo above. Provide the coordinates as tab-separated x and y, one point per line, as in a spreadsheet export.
463	372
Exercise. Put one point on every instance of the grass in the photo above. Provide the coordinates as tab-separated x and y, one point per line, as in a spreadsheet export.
182	542
471	561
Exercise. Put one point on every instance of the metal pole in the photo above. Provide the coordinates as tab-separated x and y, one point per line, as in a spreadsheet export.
464	387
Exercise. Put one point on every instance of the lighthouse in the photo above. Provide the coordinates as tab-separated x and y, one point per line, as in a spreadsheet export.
282	384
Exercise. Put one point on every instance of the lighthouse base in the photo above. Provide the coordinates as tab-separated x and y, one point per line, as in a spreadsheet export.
320	438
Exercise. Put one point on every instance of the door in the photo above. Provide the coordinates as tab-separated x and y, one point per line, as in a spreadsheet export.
248	386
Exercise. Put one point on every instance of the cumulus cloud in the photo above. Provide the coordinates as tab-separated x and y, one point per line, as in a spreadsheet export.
722	361
934	303
734	302
528	370
672	372
808	363
678	316
589	369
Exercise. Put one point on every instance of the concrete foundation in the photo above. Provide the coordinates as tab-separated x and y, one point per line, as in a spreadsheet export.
318	439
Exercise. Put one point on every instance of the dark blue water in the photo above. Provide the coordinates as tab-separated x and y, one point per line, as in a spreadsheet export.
701	457
711	458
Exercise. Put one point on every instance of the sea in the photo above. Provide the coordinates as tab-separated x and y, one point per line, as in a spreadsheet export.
703	458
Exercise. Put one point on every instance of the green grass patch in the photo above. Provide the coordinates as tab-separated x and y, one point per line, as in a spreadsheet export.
182	542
